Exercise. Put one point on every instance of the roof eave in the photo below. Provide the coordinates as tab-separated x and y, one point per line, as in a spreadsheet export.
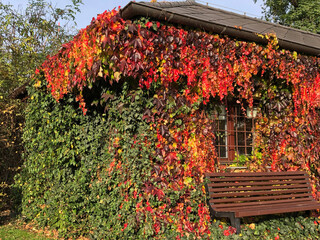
134	9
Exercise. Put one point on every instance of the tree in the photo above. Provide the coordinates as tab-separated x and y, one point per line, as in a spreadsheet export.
302	14
28	35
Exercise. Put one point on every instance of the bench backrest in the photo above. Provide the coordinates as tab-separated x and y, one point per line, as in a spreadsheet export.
253	189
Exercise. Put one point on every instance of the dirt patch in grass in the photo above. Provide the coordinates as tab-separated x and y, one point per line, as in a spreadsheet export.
4	217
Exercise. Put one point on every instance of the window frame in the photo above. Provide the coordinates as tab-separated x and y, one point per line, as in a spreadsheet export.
233	113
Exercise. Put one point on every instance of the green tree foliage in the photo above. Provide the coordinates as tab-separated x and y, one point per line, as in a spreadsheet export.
28	35
302	14
11	122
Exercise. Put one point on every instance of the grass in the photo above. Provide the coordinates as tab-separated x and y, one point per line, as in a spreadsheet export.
12	232
13	229
288	226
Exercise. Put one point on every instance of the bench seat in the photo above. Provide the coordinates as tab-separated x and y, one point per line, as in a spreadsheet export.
236	195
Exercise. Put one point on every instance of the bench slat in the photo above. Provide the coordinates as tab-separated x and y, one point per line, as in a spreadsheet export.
289	173
289	196
259	203
253	183
216	190
262	178
266	206
278	210
259	193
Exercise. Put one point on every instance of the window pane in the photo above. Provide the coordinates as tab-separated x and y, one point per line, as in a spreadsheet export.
222	124
249	139
240	124
222	138
249	150
241	150
222	143
223	152
248	124
241	139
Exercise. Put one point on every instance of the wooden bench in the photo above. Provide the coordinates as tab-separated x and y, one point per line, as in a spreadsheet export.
236	195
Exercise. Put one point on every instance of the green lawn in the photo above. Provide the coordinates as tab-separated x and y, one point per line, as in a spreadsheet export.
268	228
11	232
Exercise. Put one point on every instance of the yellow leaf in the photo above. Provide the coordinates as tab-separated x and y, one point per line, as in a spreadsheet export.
100	74
188	180
37	84
117	76
295	55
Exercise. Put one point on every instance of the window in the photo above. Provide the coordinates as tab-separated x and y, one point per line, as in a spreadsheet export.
234	132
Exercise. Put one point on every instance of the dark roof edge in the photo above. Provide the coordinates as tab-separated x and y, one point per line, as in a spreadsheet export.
137	9
20	92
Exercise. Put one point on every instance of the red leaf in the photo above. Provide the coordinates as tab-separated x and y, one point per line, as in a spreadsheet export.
149	24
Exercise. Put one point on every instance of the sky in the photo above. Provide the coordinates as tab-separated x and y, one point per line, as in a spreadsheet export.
91	8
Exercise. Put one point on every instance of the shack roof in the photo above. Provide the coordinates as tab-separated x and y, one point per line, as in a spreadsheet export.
190	13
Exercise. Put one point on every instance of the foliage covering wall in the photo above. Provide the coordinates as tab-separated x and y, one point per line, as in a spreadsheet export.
28	35
121	145
97	174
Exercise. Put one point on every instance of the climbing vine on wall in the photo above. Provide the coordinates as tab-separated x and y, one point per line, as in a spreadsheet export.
179	74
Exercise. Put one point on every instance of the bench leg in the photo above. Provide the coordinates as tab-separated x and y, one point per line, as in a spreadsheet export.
235	222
